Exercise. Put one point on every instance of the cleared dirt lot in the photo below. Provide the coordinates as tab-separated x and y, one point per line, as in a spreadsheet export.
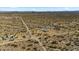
51	31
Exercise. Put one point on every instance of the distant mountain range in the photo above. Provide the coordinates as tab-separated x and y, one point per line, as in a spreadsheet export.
77	12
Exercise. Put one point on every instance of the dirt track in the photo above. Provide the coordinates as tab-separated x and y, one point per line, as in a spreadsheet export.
39	32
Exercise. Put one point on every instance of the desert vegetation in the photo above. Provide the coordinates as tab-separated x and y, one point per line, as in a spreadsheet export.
39	31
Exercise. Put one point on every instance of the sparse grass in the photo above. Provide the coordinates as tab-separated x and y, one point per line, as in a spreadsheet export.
39	31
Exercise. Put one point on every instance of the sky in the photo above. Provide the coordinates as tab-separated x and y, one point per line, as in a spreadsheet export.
39	8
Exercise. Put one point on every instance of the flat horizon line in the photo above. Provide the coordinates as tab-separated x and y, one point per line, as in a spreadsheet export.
40	11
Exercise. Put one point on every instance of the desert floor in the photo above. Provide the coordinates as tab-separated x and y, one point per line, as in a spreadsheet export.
39	31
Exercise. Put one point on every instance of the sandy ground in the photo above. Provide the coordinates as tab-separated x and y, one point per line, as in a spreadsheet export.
39	32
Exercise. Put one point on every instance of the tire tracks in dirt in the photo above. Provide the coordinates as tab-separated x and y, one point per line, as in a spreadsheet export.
30	34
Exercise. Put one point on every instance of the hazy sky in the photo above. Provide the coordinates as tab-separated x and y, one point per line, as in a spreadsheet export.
39	8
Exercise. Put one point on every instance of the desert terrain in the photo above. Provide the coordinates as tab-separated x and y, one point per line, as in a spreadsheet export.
39	31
